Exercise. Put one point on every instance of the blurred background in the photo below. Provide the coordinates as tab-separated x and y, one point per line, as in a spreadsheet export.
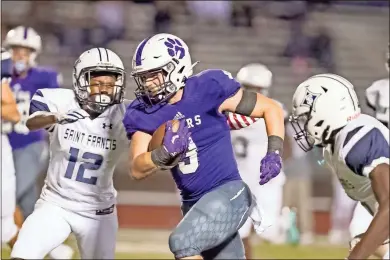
295	39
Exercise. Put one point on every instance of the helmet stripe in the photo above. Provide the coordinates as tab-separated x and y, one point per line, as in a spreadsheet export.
25	33
100	54
138	55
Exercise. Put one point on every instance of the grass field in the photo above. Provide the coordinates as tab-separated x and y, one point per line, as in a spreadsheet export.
261	252
148	244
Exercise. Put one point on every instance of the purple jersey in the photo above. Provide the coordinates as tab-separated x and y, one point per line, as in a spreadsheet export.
24	89
209	161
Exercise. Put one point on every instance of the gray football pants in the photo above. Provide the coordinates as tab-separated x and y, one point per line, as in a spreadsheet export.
210	226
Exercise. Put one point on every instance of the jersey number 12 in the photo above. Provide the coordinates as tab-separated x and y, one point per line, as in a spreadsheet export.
95	165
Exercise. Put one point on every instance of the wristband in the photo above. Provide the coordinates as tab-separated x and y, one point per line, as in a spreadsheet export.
275	144
161	158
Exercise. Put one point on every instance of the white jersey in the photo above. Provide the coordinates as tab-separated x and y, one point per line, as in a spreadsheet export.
359	147
83	154
250	145
377	96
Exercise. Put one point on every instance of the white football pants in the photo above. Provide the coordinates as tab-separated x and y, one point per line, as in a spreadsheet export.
50	225
360	221
8	192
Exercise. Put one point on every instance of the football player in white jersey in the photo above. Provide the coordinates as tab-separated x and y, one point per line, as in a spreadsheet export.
250	143
10	113
378	94
355	148
377	97
86	140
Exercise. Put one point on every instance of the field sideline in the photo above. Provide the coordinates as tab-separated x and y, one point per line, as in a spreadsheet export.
152	244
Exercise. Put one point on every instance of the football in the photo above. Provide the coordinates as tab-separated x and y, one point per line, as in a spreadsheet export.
158	135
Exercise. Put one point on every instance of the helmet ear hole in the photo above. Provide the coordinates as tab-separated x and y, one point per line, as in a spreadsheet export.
181	70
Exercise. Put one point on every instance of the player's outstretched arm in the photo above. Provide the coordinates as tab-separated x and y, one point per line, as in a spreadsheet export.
256	105
378	231
9	109
141	164
40	120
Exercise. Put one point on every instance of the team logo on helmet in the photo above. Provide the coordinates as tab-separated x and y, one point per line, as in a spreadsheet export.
310	99
175	48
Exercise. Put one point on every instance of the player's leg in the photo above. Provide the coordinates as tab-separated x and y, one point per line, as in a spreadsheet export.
341	212
359	224
35	157
232	248
45	229
272	207
214	219
305	213
96	233
245	233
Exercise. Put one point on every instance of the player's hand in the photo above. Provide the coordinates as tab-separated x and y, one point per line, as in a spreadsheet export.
270	167
71	117
176	143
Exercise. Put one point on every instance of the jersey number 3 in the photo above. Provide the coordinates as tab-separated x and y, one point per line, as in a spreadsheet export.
95	165
190	163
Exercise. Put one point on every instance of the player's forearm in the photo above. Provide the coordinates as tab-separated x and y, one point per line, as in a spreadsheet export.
41	121
142	166
9	112
376	234
274	120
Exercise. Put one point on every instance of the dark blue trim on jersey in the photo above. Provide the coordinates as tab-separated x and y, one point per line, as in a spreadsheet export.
36	106
351	134
370	147
39	93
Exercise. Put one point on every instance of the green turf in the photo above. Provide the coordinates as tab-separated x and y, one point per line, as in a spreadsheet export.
263	251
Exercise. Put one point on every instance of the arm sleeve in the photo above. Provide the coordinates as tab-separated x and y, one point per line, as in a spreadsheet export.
236	121
41	102
370	151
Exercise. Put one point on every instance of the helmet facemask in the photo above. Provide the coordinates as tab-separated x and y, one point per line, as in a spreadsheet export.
155	86
302	136
98	96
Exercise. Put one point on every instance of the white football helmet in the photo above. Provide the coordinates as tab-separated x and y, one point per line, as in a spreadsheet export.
27	37
98	61
165	53
255	75
322	105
